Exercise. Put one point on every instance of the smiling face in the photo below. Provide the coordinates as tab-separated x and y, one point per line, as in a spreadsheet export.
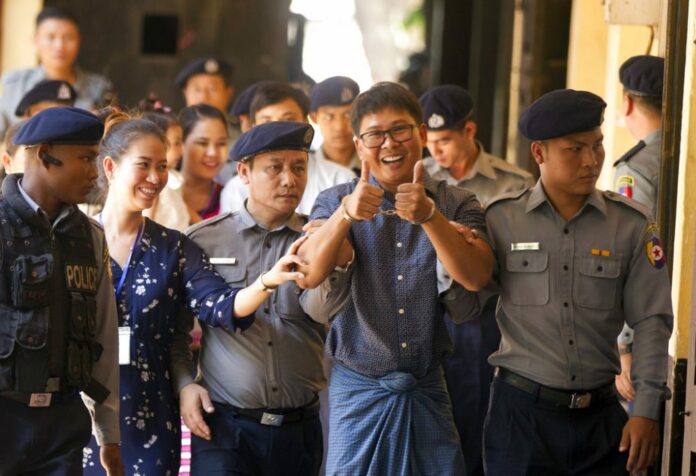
570	165
57	43
276	181
205	149
140	174
391	163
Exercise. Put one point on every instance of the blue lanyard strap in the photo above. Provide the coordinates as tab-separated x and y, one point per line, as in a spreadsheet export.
126	266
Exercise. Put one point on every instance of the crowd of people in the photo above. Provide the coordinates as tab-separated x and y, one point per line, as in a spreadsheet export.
354	308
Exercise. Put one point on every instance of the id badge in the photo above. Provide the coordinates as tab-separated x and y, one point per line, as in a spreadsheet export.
124	341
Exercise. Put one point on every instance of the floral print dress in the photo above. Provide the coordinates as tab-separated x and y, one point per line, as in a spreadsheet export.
166	273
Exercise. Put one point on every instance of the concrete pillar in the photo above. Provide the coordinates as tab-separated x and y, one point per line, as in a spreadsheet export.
17	33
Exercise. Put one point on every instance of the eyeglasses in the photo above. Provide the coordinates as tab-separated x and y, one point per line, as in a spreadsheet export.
400	133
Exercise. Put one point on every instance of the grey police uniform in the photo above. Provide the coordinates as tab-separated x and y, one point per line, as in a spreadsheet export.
490	176
58	326
580	280
91	89
638	171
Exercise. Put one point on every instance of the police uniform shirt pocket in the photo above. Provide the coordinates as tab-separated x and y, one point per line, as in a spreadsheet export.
597	282
526	280
232	270
287	301
31	281
32	328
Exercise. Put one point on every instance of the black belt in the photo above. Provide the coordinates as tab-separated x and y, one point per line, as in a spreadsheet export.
41	400
278	417
567	398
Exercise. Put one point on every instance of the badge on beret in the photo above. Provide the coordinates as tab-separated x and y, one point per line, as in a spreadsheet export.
63	92
653	247
624	185
346	95
211	66
435	121
308	136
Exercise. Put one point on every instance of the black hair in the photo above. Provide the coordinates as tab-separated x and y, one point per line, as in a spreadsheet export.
56	13
651	103
120	131
190	116
384	95
275	92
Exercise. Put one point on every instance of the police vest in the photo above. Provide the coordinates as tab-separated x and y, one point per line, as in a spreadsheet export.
47	301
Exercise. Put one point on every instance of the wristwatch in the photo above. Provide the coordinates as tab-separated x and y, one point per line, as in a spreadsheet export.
261	286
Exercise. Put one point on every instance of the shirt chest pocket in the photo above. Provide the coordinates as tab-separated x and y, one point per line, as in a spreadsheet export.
235	275
287	301
597	282
526	280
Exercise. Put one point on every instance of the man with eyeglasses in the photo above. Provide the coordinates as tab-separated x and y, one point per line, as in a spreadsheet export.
404	264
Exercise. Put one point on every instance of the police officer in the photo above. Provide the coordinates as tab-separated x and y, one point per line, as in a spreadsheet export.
241	108
47	93
259	387
58	328
458	158
57	41
206	80
574	262
329	108
638	170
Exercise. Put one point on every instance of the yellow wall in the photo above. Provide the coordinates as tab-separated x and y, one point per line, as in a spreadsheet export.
596	51
16	33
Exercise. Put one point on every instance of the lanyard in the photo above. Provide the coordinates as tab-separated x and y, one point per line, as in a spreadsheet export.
126	266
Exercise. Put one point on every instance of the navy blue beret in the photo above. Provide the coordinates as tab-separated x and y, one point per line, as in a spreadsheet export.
446	107
561	112
279	135
334	91
204	65
47	90
242	104
643	74
61	125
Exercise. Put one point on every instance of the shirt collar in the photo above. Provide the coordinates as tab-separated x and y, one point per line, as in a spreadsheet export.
295	223
538	196
37	209
483	164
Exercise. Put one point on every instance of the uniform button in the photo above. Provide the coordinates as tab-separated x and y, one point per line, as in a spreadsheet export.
565	304
399	245
275	389
404	345
400	277
34	274
265	309
525	263
268	244
570	341
30	339
270	343
401	311
566	231
600	268
565	267
572	377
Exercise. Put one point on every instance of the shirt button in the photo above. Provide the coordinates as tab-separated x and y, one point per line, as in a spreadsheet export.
400	277
565	304
268	244
565	267
404	345
566	231
265	309
572	377
275	389
570	341
401	311
399	245
270	343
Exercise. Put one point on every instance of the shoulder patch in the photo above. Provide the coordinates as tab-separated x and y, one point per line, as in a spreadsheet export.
193	228
513	195
624	185
653	246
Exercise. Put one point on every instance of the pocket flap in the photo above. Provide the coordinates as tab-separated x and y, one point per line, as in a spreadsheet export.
600	266
527	261
32	328
34	269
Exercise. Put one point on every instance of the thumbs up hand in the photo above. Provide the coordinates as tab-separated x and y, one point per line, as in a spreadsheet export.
411	202
364	202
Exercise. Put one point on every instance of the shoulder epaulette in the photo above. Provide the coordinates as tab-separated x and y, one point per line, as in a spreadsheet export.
512	195
637	206
630	152
206	222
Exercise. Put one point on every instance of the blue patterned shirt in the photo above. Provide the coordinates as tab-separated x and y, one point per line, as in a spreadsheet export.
393	319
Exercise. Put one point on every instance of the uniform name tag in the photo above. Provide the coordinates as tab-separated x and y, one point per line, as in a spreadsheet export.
40	400
524	246
223	260
124	340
